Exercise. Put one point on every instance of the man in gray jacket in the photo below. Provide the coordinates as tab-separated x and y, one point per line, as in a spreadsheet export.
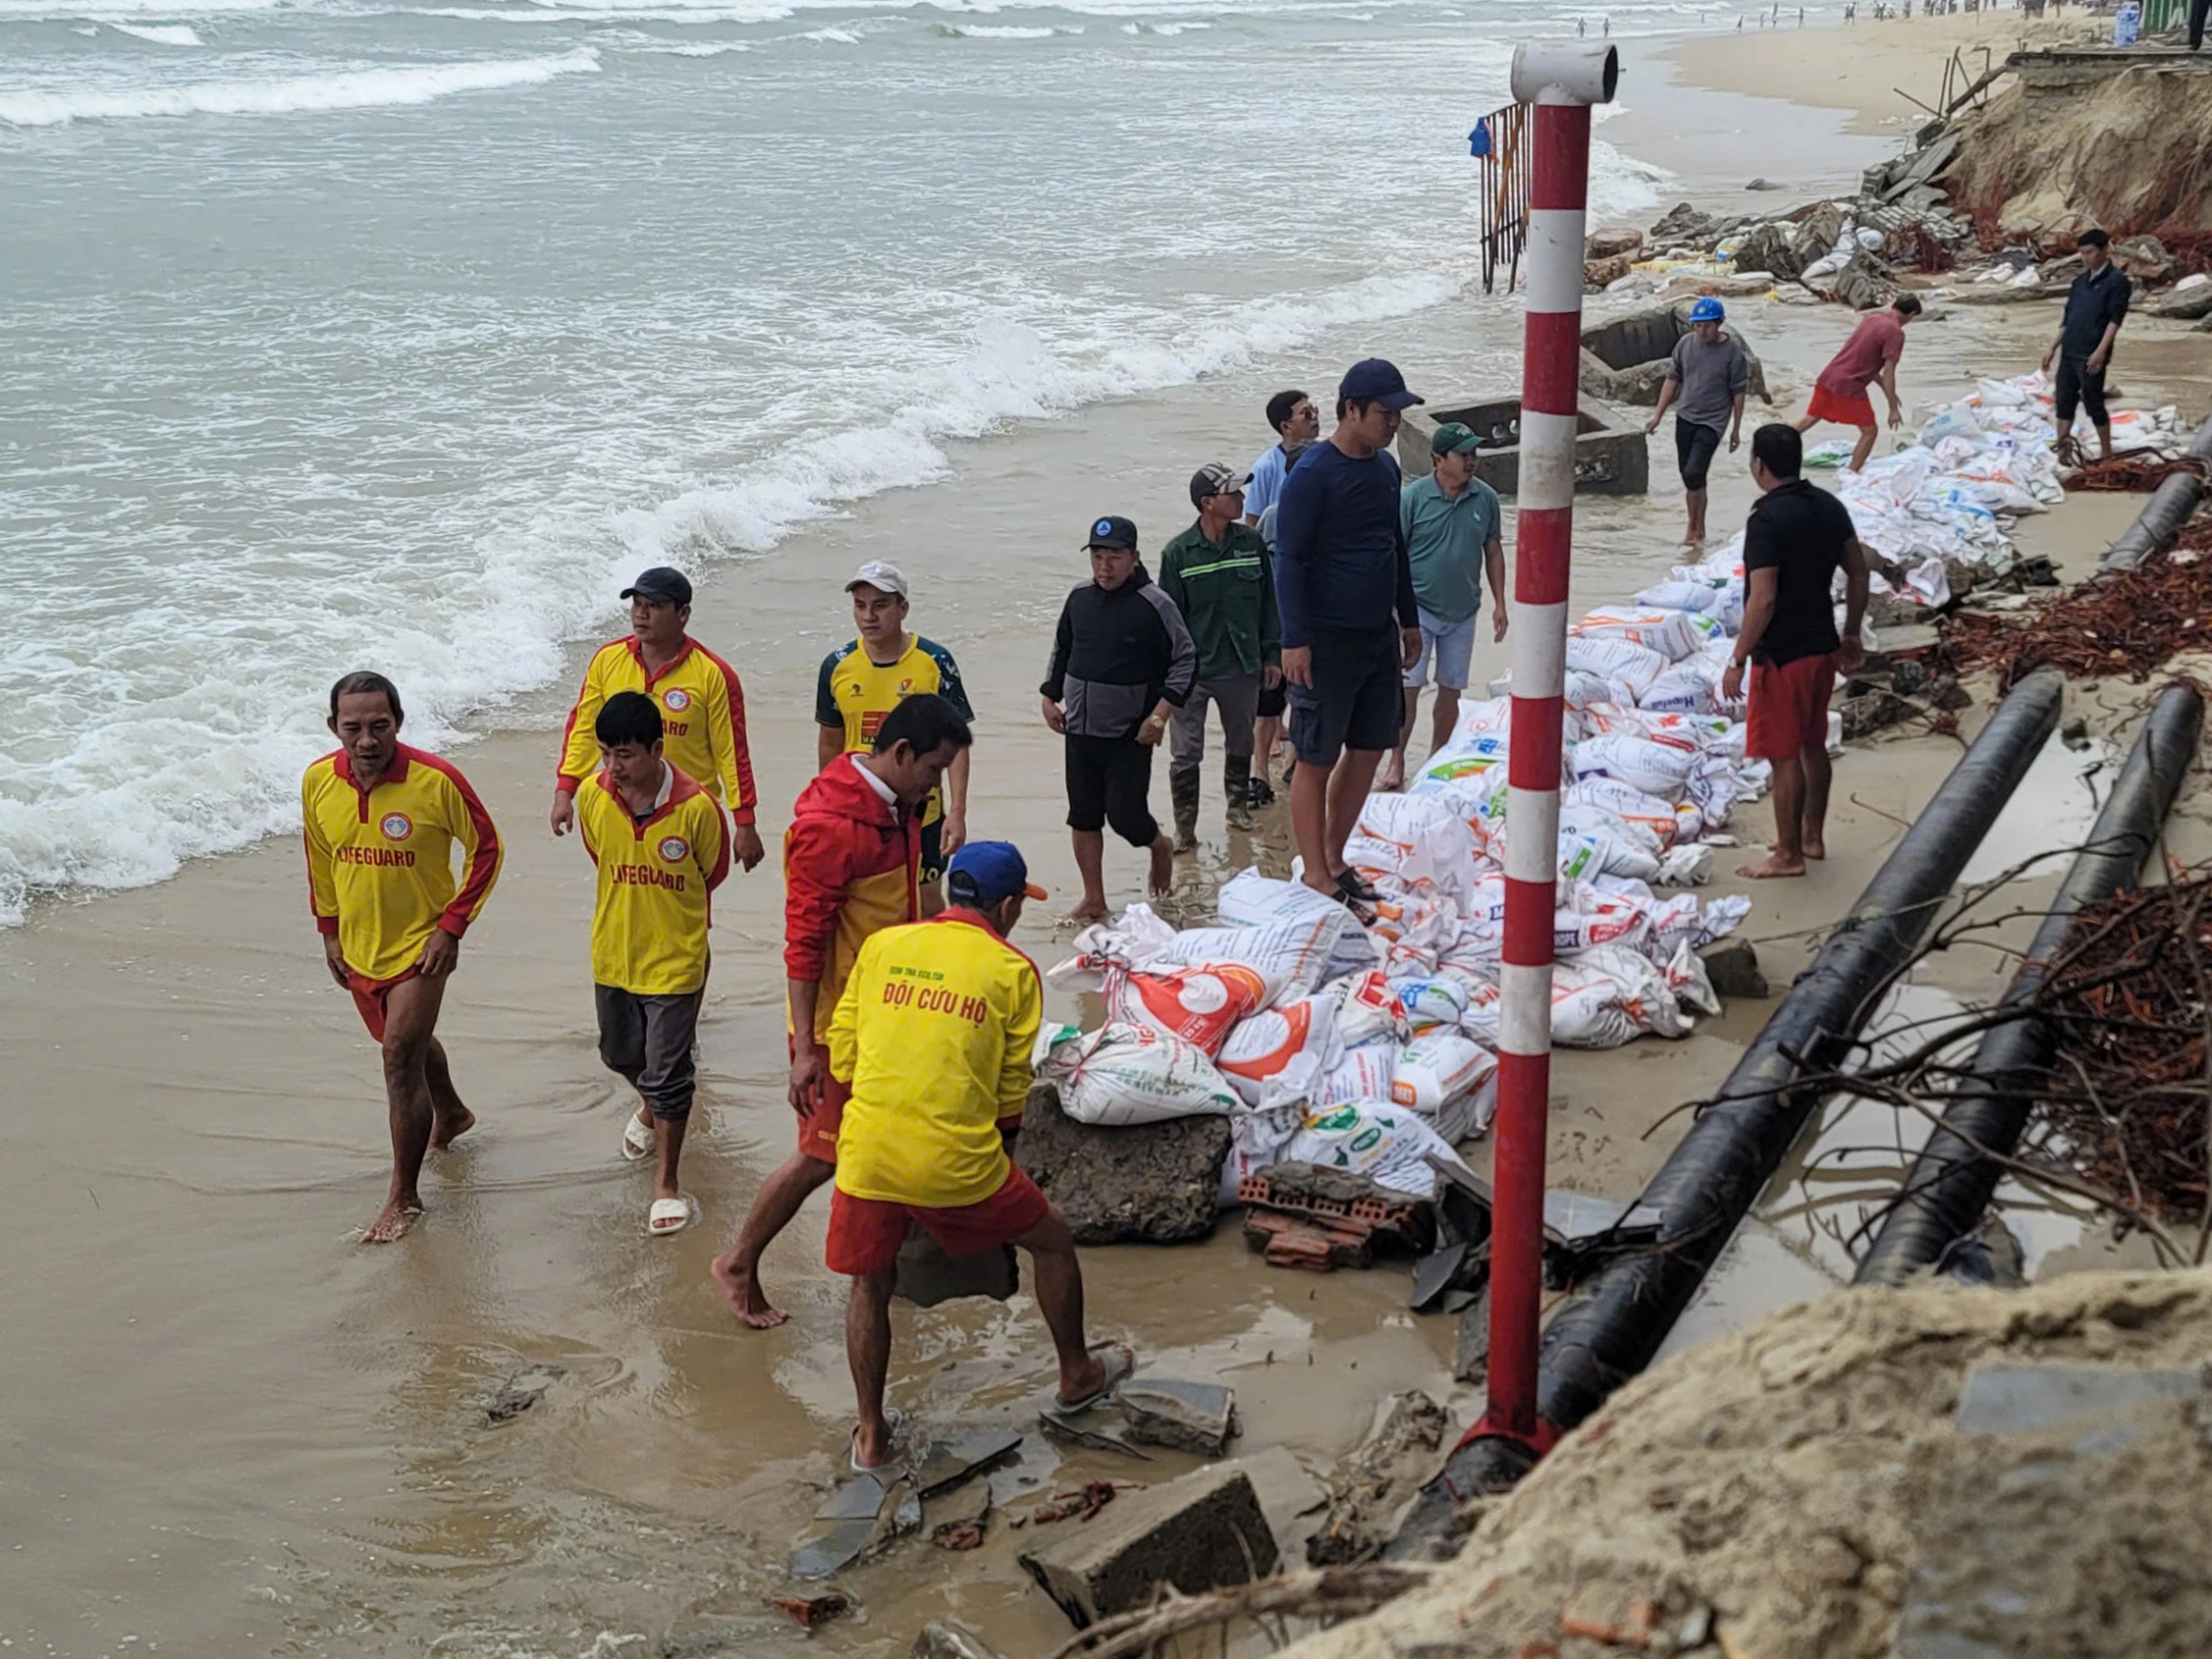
1122	661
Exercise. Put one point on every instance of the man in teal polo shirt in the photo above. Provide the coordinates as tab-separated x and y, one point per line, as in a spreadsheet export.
1220	576
1452	536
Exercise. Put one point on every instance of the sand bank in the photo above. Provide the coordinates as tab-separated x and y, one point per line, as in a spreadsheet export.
232	1431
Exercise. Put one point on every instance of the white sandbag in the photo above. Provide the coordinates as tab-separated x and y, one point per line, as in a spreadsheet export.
1616	661
1611	996
1263	1051
1681	596
1431	841
1420	922
1627	802
1673	634
1251	902
1687	865
1139	938
1366	1008
1255	1142
1691	686
1439	1069
1456	762
1387	1144
1430	999
1125	1074
1722	917
1200	1005
1363	1073
1657	769
1691	982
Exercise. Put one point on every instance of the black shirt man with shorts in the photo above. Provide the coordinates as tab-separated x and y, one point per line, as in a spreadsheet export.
2096	307
1350	624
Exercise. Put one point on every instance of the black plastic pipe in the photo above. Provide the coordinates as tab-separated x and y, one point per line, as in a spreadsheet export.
2159	523
1618	1318
1949	1183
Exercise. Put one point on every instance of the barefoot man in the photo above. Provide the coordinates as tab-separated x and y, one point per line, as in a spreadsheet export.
933	1034
1123	663
381	821
702	708
851	867
1797	537
660	847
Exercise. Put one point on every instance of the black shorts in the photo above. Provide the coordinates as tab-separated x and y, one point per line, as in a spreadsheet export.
1110	781
2076	386
649	1041
1694	450
1272	700
1355	700
932	851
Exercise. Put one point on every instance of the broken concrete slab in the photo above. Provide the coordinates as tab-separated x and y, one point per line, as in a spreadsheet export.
1733	970
1403	1449
860	1515
1183	1416
1153	1183
1471	1360
928	1276
948	1461
1098	1429
519	1392
1201	1533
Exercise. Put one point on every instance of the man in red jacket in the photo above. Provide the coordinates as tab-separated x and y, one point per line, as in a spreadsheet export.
851	860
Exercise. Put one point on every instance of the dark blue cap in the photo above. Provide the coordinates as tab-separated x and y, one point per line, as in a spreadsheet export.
985	872
1373	380
662	585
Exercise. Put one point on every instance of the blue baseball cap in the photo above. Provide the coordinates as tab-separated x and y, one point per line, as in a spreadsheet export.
985	872
1372	380
1709	310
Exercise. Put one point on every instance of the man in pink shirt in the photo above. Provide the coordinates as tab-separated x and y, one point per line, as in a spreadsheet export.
1868	357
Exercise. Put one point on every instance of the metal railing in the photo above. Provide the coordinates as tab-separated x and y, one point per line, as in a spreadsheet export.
1500	143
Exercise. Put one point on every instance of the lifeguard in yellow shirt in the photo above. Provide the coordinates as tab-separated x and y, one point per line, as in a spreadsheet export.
701	700
934	1034
660	849
381	823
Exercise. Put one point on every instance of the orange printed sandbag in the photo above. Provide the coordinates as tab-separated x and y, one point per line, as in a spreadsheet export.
1198	1004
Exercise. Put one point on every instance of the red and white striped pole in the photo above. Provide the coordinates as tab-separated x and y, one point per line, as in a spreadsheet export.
1563	82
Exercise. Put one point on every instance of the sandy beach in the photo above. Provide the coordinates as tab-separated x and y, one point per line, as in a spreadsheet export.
231	1431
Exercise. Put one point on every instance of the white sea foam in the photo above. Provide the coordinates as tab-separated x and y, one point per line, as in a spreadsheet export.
413	84
693	49
160	34
1010	32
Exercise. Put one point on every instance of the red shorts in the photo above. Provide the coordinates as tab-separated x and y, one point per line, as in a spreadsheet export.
369	997
865	1233
1788	708
818	1130
1847	408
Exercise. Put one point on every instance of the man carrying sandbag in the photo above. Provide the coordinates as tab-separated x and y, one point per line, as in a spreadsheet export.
933	1035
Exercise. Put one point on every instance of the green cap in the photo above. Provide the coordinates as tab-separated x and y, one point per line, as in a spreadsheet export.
1452	438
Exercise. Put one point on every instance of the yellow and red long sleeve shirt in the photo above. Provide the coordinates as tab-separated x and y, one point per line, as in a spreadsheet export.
702	720
657	876
851	864
380	860
934	1032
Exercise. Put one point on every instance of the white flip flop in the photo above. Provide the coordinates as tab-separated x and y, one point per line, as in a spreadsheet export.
897	1420
639	1141
682	1211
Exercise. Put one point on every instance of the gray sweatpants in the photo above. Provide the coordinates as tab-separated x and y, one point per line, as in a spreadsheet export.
647	1041
1238	698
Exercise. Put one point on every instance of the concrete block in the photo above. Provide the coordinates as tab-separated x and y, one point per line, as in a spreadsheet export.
928	1276
1733	970
1153	1182
1202	1532
1612	456
1184	1417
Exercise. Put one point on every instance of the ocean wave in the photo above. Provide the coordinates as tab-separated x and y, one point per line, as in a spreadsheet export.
363	89
1008	31
160	34
696	49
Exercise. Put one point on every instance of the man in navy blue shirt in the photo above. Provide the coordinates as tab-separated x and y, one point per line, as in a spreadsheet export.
1350	627
2096	307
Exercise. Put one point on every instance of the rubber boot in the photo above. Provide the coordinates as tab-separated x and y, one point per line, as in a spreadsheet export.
1182	789
1236	782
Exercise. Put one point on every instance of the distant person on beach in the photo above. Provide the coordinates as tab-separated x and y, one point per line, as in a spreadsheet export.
702	708
1868	358
381	823
862	682
933	1035
1350	624
1451	524
1217	574
1797	538
660	849
1707	381
851	867
2096	307
1123	663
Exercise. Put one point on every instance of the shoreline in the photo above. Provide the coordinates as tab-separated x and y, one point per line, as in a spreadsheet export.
286	1438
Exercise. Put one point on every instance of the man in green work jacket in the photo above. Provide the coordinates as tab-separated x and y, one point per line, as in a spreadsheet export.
1217	572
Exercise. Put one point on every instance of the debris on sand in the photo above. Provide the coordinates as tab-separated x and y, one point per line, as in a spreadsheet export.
2125	625
2132	474
806	1612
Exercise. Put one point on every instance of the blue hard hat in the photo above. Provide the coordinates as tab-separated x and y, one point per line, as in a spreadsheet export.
1707	310
988	871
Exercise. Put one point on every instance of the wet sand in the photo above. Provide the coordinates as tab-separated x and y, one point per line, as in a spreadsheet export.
233	1431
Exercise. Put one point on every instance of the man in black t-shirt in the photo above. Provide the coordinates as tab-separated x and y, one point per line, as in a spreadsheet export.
2096	307
1797	537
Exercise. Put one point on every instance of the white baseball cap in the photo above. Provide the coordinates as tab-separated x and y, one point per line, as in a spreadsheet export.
879	575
